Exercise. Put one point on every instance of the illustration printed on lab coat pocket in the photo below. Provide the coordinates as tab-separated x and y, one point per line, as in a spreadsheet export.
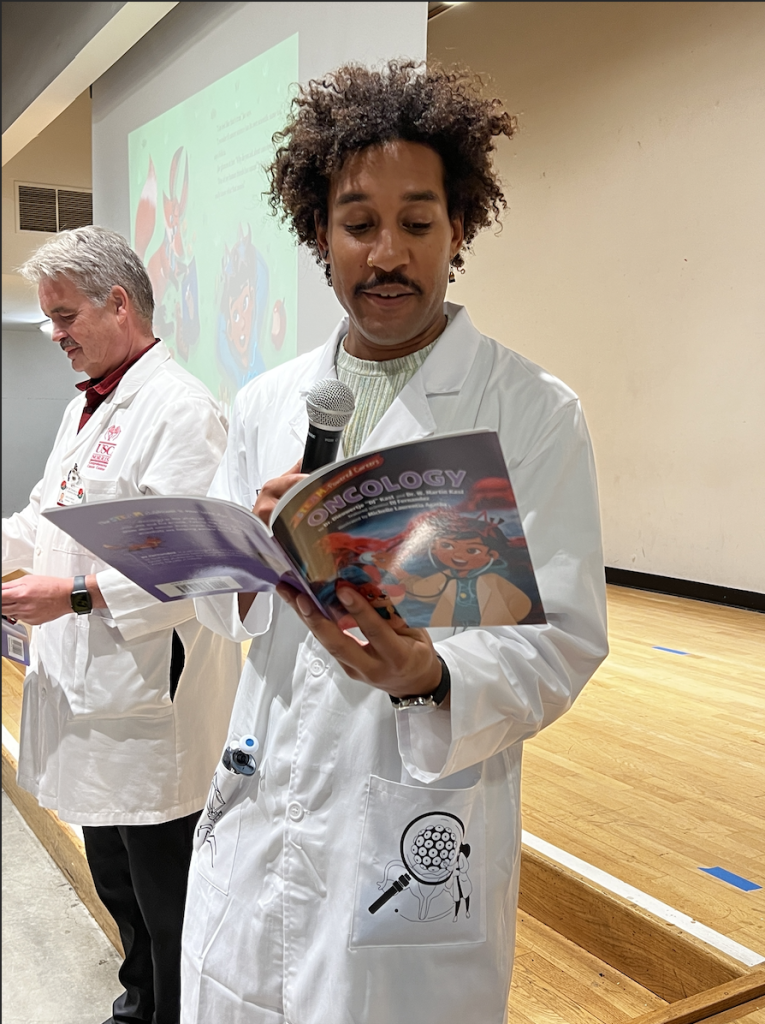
433	856
216	853
422	894
205	834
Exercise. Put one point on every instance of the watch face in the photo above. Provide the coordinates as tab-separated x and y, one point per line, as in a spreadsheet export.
81	602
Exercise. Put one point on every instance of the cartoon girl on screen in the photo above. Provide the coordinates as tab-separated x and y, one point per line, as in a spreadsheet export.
241	316
468	587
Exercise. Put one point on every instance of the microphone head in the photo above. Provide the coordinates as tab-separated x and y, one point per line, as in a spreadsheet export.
330	404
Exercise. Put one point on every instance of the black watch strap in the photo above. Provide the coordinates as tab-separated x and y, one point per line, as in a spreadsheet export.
81	600
434	699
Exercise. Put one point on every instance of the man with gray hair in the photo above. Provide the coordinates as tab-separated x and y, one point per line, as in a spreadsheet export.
126	700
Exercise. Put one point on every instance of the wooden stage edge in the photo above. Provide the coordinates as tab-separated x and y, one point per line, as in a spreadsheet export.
657	955
724	1002
699	982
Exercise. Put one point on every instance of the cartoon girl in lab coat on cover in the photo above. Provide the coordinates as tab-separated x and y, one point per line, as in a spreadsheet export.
468	587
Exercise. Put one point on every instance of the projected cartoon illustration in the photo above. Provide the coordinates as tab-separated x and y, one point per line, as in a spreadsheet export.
242	312
224	269
278	324
172	267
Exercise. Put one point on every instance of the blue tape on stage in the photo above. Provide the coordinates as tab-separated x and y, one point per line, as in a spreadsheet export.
731	879
670	650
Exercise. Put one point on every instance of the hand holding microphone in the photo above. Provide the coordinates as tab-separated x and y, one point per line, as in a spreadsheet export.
330	405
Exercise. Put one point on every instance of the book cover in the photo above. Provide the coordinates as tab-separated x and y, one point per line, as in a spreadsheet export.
429	529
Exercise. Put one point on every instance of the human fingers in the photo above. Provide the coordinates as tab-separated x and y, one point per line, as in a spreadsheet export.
37	599
376	627
287	593
344	648
401	659
405	662
274	490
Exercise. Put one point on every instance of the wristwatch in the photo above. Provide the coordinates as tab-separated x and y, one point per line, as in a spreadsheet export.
82	602
427	700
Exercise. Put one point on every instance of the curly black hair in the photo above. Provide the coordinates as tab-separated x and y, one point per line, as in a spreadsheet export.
355	107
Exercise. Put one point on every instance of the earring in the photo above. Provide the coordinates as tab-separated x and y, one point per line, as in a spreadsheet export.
370	261
452	278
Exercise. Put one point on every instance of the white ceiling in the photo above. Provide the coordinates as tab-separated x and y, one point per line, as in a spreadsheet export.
122	31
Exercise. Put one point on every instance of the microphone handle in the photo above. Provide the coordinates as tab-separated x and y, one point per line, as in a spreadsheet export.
320	448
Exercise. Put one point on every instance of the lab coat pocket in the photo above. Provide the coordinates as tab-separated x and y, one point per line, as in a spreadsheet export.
99	490
421	875
82	560
217	833
113	677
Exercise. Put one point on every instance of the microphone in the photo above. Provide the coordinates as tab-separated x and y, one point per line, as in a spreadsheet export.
330	405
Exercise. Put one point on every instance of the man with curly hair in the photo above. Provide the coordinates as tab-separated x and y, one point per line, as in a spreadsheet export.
328	896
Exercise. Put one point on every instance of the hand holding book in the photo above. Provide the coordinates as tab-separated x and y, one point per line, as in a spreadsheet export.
396	657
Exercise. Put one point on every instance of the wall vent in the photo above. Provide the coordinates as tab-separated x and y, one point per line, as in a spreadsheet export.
46	208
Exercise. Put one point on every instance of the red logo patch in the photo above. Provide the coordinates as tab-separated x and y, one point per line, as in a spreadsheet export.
104	449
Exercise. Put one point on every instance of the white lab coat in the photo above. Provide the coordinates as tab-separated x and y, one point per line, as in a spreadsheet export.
278	926
101	741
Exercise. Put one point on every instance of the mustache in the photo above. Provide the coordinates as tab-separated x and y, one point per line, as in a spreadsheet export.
66	343
395	277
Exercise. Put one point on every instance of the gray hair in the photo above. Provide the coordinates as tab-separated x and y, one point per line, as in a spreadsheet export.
95	260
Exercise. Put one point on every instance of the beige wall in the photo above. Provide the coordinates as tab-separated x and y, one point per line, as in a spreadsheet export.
37	384
60	155
632	261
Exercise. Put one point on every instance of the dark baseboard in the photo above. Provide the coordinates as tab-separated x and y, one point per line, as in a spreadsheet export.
749	599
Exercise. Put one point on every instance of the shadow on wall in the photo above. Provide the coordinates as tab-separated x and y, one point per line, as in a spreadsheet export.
31	418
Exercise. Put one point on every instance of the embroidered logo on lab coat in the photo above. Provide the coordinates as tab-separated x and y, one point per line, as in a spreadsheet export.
105	448
71	491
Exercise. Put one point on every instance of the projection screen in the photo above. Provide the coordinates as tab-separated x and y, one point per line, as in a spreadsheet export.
182	130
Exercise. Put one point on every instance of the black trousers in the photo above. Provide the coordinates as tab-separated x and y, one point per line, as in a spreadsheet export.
140	873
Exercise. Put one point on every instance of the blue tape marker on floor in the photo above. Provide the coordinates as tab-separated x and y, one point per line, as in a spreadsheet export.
731	879
671	650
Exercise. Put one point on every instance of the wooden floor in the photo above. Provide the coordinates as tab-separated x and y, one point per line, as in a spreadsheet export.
659	768
557	982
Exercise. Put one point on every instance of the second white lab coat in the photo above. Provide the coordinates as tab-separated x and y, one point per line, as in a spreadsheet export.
102	742
279	920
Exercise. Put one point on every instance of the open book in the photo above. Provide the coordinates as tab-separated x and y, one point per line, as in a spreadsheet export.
428	530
